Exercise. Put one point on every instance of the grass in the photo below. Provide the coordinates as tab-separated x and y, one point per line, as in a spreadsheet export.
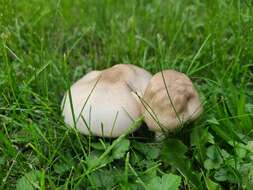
47	45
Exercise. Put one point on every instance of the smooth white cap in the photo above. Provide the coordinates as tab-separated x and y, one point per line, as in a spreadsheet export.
103	101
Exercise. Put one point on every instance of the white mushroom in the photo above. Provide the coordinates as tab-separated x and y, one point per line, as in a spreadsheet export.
167	107
103	102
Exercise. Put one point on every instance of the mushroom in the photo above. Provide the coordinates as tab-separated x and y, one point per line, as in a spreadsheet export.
170	100
104	103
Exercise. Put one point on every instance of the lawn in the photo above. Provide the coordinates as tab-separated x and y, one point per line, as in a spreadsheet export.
45	46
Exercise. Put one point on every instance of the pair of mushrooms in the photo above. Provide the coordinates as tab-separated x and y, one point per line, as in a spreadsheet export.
106	103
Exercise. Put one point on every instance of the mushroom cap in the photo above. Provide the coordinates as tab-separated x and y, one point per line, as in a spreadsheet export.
135	77
167	107
103	103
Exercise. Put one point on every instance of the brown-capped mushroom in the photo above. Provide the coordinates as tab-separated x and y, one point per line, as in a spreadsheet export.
169	101
103	103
